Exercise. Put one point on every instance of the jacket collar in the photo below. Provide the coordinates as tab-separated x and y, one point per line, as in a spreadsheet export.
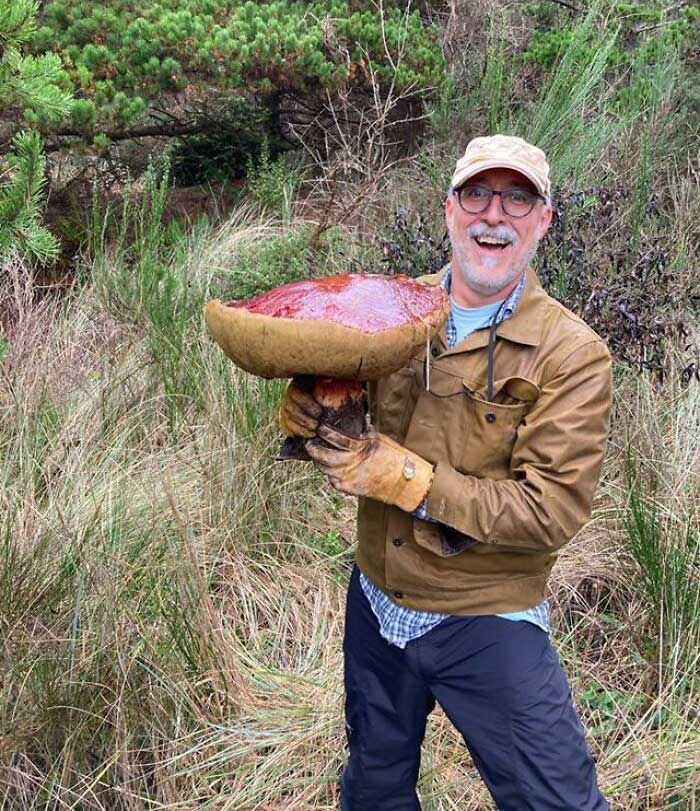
523	327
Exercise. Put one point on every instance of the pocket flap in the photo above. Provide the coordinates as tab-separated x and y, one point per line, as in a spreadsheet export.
427	535
516	388
522	389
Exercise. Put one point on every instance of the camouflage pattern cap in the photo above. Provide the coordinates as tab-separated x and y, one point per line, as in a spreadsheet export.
504	152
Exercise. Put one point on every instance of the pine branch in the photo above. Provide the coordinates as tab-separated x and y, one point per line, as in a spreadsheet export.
162	131
20	201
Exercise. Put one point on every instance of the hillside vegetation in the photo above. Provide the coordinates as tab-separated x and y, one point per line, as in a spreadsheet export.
171	598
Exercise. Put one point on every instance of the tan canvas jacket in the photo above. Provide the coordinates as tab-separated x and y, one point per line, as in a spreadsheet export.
516	473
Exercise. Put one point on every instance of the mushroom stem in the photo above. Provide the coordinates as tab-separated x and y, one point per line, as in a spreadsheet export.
343	405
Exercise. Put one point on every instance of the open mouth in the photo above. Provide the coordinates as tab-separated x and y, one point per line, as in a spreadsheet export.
492	244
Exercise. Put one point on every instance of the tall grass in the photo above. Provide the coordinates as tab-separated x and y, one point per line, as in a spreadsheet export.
171	599
570	119
127	552
496	87
667	554
585	113
662	526
171	602
588	114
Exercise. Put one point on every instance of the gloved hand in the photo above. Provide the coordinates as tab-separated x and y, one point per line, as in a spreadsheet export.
299	412
372	465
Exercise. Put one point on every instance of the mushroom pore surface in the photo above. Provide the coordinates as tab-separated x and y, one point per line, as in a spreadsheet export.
360	301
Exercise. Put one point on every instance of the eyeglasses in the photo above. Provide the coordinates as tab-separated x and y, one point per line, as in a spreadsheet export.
515	202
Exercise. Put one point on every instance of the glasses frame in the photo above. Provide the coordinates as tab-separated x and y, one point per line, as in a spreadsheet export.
492	192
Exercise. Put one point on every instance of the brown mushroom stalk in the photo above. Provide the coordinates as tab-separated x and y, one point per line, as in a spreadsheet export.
343	404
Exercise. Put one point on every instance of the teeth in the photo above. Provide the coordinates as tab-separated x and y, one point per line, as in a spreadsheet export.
492	241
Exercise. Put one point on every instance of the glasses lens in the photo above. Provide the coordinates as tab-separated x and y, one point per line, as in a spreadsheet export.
474	199
518	202
515	202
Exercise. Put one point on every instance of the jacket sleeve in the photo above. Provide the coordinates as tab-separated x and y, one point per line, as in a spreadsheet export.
555	465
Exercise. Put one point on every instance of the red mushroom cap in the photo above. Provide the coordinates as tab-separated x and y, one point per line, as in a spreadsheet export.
350	326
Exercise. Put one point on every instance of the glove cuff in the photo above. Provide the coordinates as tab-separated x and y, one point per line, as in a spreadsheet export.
416	478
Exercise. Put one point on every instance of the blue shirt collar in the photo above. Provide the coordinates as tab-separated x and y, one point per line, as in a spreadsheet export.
505	312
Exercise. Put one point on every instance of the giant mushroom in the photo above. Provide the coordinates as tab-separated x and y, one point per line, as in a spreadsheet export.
330	334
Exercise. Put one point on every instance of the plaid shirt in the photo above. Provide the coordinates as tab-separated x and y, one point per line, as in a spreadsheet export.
399	625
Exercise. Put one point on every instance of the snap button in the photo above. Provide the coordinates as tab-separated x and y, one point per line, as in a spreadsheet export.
398	594
490	417
435	351
398	541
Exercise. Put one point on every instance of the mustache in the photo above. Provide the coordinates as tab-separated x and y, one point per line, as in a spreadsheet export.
481	229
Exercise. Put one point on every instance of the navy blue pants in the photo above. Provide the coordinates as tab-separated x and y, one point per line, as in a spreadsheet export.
501	685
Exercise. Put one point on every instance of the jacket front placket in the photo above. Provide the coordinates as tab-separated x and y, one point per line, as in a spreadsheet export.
438	429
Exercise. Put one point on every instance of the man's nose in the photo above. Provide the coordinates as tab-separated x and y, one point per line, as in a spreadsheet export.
494	213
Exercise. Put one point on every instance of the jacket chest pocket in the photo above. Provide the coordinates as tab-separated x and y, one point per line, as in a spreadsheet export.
493	426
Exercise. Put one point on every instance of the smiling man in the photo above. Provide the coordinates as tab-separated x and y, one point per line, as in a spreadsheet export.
479	466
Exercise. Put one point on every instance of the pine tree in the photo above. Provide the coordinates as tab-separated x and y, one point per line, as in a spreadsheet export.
30	91
199	59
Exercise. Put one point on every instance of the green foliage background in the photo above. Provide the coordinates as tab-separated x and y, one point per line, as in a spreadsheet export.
171	598
32	86
121	63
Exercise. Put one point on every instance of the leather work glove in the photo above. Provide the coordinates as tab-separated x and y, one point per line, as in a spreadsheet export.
299	412
372	465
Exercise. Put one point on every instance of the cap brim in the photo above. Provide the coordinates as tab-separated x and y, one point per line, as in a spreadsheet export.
461	177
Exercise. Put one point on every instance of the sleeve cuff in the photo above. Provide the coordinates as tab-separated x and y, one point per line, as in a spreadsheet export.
446	501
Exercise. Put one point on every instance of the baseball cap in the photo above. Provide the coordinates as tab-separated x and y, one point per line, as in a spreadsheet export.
504	152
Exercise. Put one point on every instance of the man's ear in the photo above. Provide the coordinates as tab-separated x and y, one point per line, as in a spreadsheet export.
545	221
449	206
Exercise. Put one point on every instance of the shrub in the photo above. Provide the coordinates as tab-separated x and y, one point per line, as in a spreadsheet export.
273	183
224	153
281	259
408	247
627	285
210	49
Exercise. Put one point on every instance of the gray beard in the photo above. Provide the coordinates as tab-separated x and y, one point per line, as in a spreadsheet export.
487	287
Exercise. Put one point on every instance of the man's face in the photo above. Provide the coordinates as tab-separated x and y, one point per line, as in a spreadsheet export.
484	267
